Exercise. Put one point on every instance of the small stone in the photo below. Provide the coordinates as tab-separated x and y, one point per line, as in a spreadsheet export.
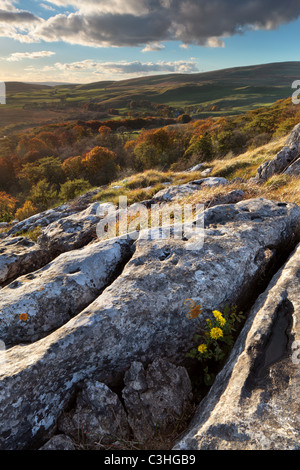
59	442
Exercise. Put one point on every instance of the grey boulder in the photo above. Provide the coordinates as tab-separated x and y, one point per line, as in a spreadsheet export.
156	398
98	417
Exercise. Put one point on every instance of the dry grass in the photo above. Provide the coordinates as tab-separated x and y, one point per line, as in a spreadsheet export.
143	186
246	164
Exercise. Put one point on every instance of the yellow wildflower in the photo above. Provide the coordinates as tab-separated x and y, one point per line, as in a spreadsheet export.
216	333
219	317
202	348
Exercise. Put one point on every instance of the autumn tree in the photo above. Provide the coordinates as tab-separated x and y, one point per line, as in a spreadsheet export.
26	211
100	165
73	167
7	206
48	168
7	173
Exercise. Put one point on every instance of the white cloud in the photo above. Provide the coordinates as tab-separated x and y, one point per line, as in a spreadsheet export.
214	42
17	56
154	46
130	68
47	7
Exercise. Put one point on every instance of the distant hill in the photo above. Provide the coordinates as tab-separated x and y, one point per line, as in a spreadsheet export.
223	92
19	87
232	90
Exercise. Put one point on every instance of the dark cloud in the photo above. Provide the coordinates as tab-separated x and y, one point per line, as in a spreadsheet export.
136	23
17	16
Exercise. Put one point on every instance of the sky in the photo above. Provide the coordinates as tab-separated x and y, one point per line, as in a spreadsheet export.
84	41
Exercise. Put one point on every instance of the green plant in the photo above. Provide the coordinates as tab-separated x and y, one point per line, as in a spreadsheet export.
217	339
31	234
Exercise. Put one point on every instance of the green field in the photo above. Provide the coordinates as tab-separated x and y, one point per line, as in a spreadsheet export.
228	91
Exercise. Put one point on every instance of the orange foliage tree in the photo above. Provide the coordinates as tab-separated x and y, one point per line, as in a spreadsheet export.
7	206
73	167
100	165
26	211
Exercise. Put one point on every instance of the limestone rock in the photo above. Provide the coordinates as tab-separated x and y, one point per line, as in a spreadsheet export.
175	193
19	255
155	399
230	198
52	295
72	232
99	416
59	442
206	172
293	139
42	219
294	168
254	403
141	315
195	168
211	182
280	163
283	159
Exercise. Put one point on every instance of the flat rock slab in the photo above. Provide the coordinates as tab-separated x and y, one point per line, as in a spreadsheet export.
141	316
19	255
61	232
38	303
254	403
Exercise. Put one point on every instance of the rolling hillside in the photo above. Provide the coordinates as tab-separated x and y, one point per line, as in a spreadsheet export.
216	93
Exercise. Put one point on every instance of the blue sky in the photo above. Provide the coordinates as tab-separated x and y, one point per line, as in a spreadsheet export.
84	41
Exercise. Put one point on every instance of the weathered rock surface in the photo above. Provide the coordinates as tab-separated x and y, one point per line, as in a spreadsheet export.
294	168
211	182
99	416
43	219
141	315
175	193
206	172
276	166
195	168
52	295
59	442
19	255
230	198
284	159
156	398
72	232
254	403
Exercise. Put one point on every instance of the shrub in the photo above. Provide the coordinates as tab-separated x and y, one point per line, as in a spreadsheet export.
26	211
43	194
73	188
